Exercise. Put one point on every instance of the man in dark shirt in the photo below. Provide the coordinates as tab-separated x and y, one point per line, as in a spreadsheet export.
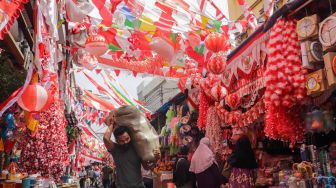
128	163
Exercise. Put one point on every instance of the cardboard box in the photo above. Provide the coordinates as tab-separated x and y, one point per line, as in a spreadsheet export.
330	67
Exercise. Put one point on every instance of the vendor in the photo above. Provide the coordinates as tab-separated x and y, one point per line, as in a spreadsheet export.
332	155
128	162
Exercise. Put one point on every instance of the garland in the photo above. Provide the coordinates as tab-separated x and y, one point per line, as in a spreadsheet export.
239	119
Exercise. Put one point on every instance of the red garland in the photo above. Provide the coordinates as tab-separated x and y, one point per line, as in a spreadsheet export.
9	10
285	84
203	110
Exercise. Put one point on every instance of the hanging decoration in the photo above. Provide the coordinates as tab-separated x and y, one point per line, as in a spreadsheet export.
248	14
285	77
35	98
232	100
218	92
194	39
86	60
96	44
238	119
285	84
216	42
9	11
217	64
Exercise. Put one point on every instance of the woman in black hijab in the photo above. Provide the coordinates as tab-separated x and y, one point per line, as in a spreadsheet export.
181	175
243	164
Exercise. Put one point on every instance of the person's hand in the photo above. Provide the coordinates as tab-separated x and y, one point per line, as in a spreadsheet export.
109	121
157	153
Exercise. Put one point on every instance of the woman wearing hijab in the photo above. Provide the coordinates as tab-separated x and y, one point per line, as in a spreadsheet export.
204	165
243	163
181	176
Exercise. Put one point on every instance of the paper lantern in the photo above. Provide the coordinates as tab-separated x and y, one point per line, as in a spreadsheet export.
216	42
217	65
194	39
218	92
35	98
233	100
96	44
163	48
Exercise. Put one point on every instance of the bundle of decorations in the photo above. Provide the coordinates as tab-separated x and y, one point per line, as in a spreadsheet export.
46	151
203	110
285	83
214	132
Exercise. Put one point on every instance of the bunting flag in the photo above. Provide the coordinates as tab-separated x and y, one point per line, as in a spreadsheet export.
9	11
269	7
248	14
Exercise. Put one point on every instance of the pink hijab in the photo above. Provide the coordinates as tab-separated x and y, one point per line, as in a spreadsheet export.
203	157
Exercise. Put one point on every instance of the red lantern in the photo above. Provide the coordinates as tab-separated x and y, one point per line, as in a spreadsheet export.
35	98
233	100
216	42
217	65
96	44
218	92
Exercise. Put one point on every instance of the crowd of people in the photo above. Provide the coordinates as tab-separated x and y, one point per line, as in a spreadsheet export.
96	176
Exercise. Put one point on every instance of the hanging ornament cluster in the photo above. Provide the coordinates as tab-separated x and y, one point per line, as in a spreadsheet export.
217	43
285	84
284	124
285	81
214	132
238	119
203	110
35	98
36	156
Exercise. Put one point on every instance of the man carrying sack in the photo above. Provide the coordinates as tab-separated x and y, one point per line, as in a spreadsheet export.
136	144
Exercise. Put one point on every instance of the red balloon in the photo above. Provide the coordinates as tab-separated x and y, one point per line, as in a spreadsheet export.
216	42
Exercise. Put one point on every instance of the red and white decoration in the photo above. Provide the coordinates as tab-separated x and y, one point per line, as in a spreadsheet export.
249	15
216	42
34	99
218	92
96	44
217	64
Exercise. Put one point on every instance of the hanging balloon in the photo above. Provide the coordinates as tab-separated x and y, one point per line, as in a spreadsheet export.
96	44
163	48
10	121
194	39
218	92
217	64
87	60
216	42
35	98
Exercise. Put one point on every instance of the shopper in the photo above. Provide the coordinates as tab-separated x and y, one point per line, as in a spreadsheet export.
204	165
243	164
82	175
128	163
147	177
107	176
182	177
